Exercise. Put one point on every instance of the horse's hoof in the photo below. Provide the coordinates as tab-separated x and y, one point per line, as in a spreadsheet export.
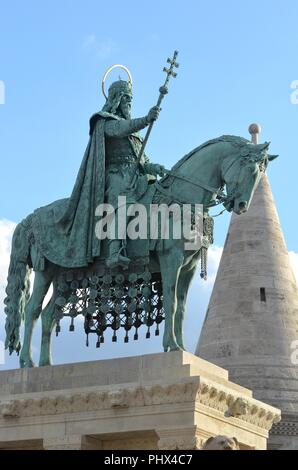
26	363
44	363
172	346
176	348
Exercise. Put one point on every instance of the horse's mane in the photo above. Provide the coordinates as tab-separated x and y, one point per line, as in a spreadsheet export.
241	141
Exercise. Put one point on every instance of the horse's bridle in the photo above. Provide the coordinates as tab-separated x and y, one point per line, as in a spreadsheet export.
221	197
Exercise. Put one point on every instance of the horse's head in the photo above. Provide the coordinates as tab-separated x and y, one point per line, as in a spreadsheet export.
242	174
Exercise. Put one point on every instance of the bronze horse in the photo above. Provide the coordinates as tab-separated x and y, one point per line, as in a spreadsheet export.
198	178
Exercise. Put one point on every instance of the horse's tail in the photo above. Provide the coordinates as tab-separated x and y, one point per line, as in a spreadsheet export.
18	284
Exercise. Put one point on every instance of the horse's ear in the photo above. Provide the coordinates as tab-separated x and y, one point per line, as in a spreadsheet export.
264	146
272	157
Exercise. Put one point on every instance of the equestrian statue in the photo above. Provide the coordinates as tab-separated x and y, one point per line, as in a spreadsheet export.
120	282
